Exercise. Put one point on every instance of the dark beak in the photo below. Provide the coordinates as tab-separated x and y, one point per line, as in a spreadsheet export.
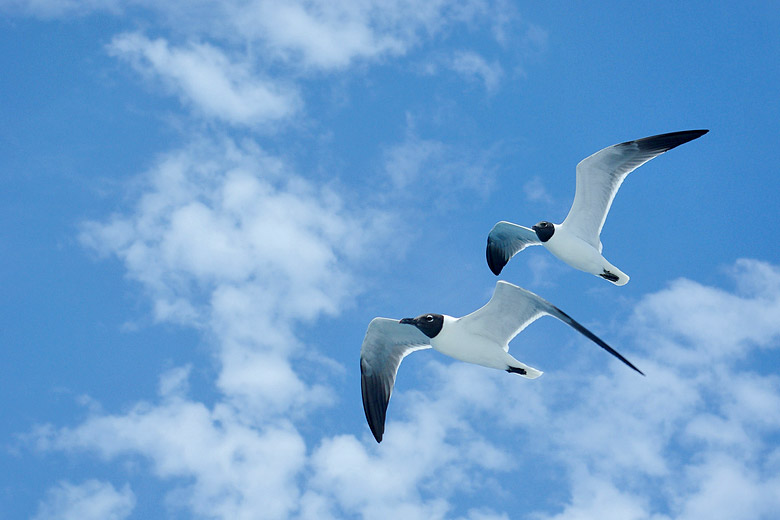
407	321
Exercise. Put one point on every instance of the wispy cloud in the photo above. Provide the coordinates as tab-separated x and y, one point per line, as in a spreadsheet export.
59	8
206	79
436	171
91	500
236	471
310	34
227	239
535	191
631	434
474	67
699	419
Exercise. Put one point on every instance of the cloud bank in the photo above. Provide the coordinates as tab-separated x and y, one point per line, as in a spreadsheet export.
696	437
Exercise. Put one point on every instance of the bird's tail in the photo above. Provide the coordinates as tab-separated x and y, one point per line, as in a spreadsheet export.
614	275
524	370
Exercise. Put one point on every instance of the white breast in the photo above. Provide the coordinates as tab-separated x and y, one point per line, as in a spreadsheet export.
457	342
573	250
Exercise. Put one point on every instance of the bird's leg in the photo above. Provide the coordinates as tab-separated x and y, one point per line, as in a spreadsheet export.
609	276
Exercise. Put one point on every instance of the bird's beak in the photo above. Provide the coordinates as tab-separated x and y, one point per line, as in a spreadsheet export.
407	321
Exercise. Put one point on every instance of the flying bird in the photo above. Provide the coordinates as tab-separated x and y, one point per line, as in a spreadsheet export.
481	337
576	240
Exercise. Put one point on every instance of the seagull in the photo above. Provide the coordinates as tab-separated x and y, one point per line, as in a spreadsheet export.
481	338
576	240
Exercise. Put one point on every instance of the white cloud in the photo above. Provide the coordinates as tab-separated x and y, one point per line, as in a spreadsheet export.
228	240
204	77
700	418
620	438
323	35
535	190
434	171
596	498
59	8
236	471
710	324
309	34
91	500
474	67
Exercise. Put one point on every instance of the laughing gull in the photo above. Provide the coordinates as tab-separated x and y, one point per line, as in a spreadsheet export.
576	240
481	337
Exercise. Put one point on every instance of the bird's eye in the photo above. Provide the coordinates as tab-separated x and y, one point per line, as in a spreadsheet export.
429	318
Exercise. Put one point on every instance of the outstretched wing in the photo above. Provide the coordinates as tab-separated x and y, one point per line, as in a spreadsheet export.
386	343
504	241
512	308
600	175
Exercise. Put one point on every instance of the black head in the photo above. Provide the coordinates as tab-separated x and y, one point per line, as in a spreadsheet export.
544	230
429	324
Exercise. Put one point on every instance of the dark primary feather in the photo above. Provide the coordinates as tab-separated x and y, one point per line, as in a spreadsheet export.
555	311
600	175
665	142
512	308
386	343
506	240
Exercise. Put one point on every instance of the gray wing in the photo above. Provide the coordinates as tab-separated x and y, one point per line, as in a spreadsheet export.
600	175
386	343
512	308
504	241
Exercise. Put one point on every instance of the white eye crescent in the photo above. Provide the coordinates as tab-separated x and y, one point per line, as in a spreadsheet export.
429	318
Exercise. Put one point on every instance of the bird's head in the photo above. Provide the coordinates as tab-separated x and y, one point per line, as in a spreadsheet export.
429	324
544	230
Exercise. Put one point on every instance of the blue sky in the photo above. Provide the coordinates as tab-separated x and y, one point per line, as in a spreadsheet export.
205	203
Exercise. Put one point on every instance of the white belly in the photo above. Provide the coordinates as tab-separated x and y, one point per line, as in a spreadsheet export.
575	251
453	341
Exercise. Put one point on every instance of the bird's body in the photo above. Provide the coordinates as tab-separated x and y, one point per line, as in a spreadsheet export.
579	254
460	342
481	338
576	240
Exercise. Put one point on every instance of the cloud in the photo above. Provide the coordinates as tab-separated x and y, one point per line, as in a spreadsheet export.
317	35
205	78
312	35
535	191
429	169
235	471
701	418
60	8
226	239
430	454
92	500
215	240
713	322
475	68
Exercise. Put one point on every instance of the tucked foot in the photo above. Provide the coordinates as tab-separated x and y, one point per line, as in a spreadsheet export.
607	275
515	370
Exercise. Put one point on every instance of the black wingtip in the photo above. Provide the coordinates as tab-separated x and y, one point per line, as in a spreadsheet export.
588	334
665	142
495	260
375	416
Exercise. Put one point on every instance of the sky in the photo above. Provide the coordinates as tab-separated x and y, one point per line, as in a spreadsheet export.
204	204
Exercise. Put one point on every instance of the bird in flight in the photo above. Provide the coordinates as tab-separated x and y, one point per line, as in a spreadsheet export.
481	338
576	240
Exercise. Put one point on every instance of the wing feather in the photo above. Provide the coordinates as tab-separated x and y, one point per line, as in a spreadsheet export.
512	308
600	175
386	343
504	241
